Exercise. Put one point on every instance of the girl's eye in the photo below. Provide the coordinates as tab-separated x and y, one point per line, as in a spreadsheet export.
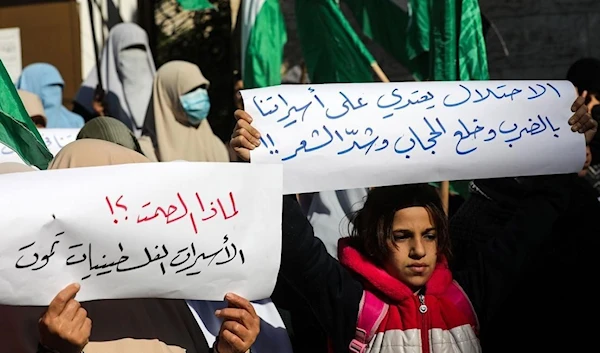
430	236
400	236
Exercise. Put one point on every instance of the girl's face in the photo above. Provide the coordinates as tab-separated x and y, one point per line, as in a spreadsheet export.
413	252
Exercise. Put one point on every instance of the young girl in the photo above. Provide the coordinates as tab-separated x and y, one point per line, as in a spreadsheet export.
392	290
396	255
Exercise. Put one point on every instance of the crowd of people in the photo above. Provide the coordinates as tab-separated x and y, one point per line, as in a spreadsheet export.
380	270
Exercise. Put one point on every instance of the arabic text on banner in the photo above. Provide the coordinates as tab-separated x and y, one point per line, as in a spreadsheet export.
343	136
152	230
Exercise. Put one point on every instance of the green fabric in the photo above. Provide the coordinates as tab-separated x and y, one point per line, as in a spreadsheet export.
458	56
425	39
333	52
390	26
418	40
111	130
17	130
444	49
264	51
196	5
472	57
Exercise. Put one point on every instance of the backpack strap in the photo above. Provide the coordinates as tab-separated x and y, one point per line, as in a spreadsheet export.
458	296
371	312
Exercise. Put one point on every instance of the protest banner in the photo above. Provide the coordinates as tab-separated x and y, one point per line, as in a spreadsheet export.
343	136
55	140
153	230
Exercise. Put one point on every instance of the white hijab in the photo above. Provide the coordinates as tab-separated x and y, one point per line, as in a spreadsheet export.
127	70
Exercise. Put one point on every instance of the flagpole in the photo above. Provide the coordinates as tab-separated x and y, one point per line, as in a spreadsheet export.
379	72
445	196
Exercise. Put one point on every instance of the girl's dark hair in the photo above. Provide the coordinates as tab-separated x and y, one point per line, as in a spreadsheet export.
371	227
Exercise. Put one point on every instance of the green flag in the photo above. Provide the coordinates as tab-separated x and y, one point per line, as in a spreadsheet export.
401	27
425	36
263	39
17	130
458	50
333	52
196	5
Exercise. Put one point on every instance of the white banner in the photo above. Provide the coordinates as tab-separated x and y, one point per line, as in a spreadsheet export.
343	136
55	140
152	230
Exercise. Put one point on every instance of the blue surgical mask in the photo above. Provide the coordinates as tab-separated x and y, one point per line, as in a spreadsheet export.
196	105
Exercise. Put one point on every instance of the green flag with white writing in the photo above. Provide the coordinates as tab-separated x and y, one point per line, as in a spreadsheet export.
333	52
263	39
17	130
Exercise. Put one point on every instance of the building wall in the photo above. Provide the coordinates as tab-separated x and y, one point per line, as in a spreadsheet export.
49	33
542	38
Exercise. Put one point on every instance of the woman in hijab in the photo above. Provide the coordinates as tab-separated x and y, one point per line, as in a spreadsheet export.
35	108
111	130
92	153
127	71
176	127
45	81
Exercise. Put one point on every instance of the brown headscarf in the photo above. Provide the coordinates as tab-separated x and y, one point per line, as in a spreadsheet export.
14	167
167	134
125	325
35	108
93	153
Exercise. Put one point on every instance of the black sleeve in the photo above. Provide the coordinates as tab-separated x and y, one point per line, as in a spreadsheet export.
84	112
331	291
495	264
43	349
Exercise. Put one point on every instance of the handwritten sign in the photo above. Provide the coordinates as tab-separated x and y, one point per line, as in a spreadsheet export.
153	230
55	140
344	136
10	51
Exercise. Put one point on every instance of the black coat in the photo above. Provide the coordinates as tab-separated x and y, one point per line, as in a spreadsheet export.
551	233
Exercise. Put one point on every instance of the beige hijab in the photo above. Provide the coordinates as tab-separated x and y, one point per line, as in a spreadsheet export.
93	153
33	105
167	135
129	345
14	167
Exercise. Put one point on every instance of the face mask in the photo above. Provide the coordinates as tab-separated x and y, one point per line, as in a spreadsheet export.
196	104
136	75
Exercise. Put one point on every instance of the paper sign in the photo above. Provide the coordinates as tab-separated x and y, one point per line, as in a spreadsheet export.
344	136
10	52
154	230
55	140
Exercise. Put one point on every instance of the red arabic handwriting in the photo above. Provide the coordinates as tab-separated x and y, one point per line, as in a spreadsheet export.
179	210
118	205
